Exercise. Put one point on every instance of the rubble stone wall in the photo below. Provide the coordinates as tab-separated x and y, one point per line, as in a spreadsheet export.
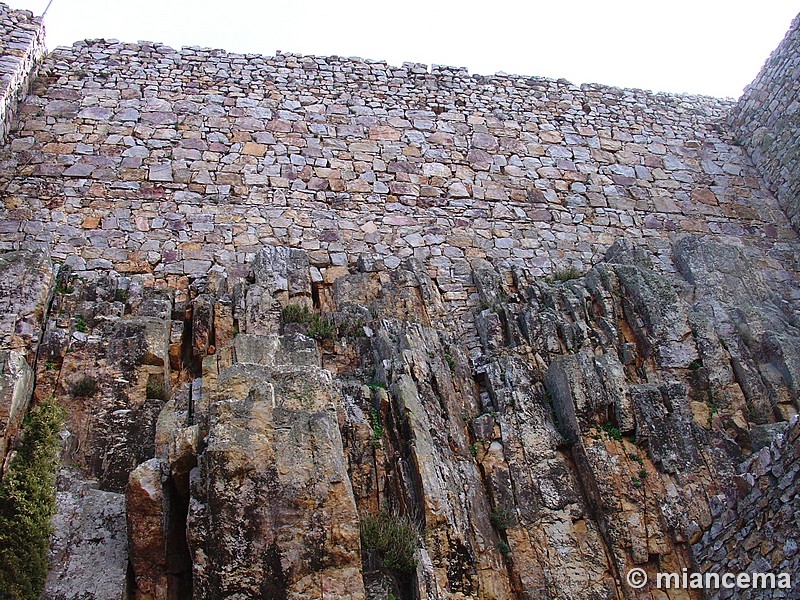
144	159
767	122
754	531
21	51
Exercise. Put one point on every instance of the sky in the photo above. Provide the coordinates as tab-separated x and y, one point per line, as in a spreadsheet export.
712	47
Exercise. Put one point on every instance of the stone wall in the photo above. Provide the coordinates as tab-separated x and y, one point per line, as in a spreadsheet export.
767	122
144	159
755	530
21	51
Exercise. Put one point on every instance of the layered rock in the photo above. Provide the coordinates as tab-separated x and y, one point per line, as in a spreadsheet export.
26	284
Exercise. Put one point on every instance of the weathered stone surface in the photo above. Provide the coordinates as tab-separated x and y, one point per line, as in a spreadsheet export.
22	50
26	283
16	387
411	294
182	182
88	549
272	510
745	534
144	508
766	120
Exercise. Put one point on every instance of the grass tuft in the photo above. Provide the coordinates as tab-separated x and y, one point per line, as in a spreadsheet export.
296	313
393	536
85	387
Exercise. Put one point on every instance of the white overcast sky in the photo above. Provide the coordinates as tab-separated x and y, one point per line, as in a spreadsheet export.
713	47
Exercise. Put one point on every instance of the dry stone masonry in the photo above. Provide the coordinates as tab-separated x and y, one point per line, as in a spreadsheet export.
331	328
767	122
144	159
21	52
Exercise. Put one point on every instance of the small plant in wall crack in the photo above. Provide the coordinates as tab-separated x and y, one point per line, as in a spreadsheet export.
85	387
613	432
393	536
80	323
375	421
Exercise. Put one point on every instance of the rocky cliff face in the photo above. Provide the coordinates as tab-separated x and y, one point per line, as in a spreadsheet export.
239	438
327	328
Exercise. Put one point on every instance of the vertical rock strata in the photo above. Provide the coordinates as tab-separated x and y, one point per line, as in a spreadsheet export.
327	328
599	429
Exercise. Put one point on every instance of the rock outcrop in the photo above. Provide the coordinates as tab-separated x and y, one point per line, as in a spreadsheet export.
604	418
325	328
26	284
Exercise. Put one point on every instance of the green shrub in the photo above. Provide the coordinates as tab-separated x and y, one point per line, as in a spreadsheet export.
27	504
504	548
64	288
375	420
85	387
321	328
296	313
353	328
450	362
612	432
80	323
499	519
565	274
393	536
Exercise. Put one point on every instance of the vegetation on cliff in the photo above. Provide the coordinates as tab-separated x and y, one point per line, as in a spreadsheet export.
27	504
393	536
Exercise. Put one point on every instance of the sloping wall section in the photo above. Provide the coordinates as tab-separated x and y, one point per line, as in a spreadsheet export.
766	120
21	51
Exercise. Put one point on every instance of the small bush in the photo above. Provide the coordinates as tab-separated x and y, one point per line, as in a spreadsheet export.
80	323
64	289
450	362
565	274
499	519
695	364
473	450
156	389
393	536
321	328
296	313
85	387
27	503
352	328
636	483
612	432
636	458
375	420
504	548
